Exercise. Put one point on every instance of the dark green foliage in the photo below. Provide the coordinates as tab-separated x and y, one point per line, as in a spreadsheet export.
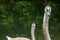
16	17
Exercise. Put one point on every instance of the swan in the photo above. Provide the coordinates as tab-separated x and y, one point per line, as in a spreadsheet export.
23	38
45	23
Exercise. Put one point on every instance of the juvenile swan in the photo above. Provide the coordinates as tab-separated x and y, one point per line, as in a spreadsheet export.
22	38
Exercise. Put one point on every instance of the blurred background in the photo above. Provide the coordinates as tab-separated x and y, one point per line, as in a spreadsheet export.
17	16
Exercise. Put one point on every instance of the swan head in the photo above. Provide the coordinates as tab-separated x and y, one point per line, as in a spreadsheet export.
48	10
33	25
